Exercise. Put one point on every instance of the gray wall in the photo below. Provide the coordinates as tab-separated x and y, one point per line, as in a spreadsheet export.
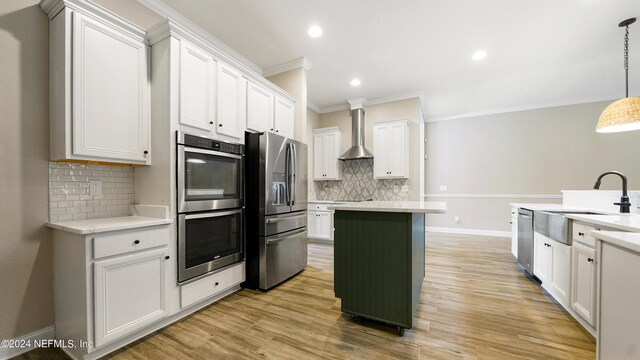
538	152
26	298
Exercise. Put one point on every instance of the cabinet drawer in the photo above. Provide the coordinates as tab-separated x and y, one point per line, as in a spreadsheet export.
582	234
318	207
125	242
211	285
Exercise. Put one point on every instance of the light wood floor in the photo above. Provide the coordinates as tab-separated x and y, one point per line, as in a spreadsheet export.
475	304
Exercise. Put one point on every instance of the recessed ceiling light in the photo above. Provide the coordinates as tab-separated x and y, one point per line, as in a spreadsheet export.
479	55
315	31
355	82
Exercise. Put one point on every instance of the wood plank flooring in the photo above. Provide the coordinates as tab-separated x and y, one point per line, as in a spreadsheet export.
475	304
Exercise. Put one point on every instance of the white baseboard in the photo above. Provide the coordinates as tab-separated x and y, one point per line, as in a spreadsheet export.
447	230
42	334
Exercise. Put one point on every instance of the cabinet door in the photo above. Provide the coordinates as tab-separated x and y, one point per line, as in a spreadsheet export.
197	87
318	156
284	117
230	102
259	108
110	93
312	223
561	271
396	151
129	294
514	233
330	158
325	225
380	151
583	294
541	260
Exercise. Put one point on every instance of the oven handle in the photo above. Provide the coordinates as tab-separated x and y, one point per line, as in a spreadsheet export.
277	239
211	152
271	221
212	214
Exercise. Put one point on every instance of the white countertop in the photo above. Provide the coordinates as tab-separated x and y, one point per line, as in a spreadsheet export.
626	222
437	207
552	207
626	240
325	202
92	226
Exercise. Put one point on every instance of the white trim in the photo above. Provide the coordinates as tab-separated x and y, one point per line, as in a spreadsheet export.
383	100
327	110
313	107
357	103
43	334
388	121
301	62
493	196
170	27
325	130
446	230
517	108
233	57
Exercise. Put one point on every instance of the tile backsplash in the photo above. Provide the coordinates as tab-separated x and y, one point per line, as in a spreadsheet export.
358	184
69	196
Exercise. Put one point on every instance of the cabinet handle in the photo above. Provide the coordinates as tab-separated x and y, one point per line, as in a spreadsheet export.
220	125
137	242
271	129
167	257
589	259
145	152
510	222
211	122
580	234
276	130
217	283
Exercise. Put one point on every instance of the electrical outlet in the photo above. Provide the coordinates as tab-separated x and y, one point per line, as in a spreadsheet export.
95	188
444	188
456	219
405	188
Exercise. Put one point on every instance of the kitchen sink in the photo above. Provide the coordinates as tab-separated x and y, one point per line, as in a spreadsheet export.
555	225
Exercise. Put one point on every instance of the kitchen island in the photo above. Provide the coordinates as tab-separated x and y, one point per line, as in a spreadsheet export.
379	258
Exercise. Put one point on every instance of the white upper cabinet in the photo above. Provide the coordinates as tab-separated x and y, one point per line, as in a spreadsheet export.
327	144
231	99
259	108
268	112
197	87
99	89
391	150
284	117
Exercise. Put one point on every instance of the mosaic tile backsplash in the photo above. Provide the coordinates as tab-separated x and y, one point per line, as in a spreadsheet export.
358	184
69	197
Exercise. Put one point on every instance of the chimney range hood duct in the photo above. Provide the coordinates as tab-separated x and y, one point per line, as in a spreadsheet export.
357	151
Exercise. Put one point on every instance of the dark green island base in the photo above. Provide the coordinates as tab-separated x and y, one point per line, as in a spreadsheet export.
379	264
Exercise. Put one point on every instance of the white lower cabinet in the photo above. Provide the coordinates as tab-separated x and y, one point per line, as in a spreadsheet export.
109	285
583	298
130	293
552	265
320	225
211	285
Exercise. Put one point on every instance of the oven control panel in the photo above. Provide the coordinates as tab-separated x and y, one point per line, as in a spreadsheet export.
210	144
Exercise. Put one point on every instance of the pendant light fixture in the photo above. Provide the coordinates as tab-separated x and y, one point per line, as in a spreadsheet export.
624	114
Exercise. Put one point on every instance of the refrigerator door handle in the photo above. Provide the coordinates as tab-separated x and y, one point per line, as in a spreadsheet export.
289	173
295	173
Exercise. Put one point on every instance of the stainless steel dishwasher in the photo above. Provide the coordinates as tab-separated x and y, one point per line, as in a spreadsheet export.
525	239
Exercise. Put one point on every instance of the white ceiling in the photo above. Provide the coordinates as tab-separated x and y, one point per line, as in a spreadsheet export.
541	53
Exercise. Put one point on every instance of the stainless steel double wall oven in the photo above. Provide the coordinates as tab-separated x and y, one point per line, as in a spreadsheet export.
210	191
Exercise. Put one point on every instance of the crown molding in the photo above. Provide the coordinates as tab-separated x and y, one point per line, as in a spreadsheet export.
517	109
233	56
170	27
90	9
331	109
313	107
301	62
383	100
357	103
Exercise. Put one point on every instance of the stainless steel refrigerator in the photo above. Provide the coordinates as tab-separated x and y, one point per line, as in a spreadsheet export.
276	209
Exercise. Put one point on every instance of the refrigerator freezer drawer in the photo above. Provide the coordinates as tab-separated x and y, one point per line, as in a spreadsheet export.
282	256
276	224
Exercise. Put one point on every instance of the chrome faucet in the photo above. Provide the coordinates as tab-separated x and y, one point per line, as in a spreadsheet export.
624	200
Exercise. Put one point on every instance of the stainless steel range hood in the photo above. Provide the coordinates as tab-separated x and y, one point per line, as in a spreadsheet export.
357	150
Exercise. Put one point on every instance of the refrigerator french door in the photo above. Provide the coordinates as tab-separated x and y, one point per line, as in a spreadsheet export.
276	180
